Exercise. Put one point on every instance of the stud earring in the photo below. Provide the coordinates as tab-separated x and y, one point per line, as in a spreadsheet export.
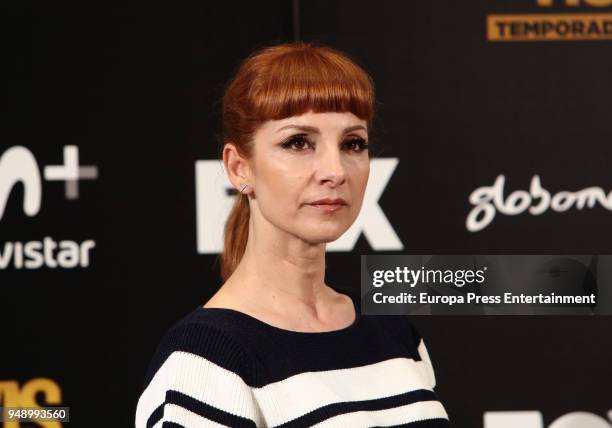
244	186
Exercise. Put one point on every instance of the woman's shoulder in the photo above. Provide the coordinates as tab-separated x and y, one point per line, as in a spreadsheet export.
201	337
399	330
194	351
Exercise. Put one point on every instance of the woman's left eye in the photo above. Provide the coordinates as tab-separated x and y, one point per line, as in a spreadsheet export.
357	144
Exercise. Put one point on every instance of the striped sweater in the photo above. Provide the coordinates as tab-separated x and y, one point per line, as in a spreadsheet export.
220	367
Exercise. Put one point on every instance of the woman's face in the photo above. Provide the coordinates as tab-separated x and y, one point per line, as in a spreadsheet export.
303	159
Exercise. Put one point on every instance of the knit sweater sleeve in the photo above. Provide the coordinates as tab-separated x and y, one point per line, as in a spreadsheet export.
423	355
198	378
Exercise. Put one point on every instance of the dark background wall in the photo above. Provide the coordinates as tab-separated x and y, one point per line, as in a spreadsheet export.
137	87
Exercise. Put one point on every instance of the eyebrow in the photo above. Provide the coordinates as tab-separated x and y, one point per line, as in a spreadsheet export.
315	130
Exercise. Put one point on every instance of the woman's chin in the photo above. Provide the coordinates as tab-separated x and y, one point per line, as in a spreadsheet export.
325	236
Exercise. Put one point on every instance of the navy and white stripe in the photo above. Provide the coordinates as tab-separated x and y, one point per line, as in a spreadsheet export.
218	367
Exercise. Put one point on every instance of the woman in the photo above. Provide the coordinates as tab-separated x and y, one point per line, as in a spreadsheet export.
276	345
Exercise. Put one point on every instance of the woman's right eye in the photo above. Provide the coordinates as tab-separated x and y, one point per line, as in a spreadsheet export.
298	140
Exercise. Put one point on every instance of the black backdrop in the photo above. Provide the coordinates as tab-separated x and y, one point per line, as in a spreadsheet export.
136	87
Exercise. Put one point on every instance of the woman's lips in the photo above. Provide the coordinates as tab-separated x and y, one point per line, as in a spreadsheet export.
327	208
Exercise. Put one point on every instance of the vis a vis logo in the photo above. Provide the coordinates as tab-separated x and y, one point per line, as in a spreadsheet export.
578	20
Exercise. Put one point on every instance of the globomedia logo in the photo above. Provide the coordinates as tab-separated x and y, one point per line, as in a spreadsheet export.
215	196
534	419
487	200
593	25
18	165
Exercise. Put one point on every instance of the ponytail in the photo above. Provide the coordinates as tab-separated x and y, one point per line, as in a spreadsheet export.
235	235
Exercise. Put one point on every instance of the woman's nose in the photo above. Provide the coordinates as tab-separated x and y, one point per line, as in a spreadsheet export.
330	167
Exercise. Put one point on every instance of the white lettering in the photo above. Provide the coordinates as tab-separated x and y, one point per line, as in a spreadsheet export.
487	200
47	253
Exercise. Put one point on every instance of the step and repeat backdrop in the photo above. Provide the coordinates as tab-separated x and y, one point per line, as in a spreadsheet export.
493	136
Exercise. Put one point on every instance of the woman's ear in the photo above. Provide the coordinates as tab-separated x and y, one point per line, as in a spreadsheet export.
237	167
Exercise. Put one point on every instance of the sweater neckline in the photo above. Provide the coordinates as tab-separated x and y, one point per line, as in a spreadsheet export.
273	328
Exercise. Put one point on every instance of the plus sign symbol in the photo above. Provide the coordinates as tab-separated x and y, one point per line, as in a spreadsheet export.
71	172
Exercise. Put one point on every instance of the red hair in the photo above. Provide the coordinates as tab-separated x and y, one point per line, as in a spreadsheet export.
277	82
